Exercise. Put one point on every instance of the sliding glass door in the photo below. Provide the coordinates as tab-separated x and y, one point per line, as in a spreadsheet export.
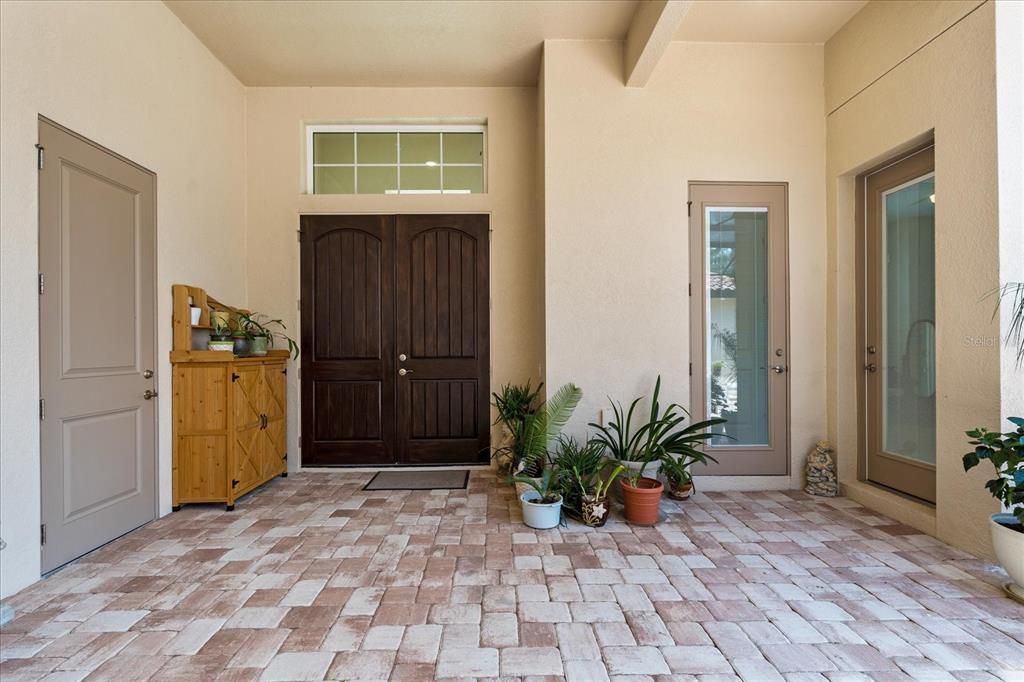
738	317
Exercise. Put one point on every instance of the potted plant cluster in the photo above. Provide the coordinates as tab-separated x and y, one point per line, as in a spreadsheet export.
661	441
563	474
534	435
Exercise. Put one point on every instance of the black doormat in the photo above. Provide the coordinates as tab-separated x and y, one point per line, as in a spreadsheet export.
409	479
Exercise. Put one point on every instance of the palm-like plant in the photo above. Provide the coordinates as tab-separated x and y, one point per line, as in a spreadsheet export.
514	402
545	485
659	438
537	431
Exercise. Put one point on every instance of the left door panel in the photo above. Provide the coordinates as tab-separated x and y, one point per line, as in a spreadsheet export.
348	369
97	259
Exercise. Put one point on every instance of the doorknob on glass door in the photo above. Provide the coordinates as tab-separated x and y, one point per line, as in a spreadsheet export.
149	395
778	369
402	372
871	367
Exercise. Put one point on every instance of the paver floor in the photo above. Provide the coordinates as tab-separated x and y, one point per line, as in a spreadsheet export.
311	578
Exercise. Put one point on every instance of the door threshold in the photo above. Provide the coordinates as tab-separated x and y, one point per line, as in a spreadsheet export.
393	467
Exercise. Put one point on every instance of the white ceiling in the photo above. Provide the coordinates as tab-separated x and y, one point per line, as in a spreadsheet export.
459	42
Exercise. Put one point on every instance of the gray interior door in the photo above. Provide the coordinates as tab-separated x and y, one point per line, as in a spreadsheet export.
97	234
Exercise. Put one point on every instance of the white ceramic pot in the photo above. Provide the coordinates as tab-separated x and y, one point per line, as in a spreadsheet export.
228	345
1009	546
537	515
196	314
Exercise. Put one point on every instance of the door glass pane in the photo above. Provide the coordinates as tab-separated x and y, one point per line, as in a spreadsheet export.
737	324
908	320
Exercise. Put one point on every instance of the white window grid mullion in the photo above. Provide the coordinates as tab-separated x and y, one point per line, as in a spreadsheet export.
398	145
355	165
441	188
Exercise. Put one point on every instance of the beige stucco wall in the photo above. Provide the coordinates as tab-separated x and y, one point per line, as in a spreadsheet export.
947	86
275	157
617	165
131	77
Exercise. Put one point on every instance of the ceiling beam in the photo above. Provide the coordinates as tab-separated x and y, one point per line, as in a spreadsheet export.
649	35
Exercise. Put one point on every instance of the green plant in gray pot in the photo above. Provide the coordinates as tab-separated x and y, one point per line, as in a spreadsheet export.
220	338
261	331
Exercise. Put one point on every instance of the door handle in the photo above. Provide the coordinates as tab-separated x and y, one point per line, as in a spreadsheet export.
402	357
147	374
871	367
402	372
778	369
149	395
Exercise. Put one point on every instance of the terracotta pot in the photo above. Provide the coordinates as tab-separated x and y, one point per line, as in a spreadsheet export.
681	491
594	511
642	501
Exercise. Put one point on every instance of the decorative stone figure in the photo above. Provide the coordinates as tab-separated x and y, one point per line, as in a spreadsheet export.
821	471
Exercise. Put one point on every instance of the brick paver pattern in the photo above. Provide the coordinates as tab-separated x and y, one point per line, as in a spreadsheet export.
311	578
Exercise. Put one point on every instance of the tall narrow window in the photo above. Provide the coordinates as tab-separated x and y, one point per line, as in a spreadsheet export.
738	314
373	159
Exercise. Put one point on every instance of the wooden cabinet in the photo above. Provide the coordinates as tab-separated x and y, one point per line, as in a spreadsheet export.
229	424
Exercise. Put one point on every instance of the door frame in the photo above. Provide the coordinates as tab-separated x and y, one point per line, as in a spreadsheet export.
301	407
698	323
861	251
157	474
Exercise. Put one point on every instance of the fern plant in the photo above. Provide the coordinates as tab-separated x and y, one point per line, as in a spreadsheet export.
538	431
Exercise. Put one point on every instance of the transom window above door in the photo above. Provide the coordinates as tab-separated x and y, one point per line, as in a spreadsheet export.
389	159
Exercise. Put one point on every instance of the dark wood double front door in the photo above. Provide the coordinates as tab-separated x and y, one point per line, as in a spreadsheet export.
395	339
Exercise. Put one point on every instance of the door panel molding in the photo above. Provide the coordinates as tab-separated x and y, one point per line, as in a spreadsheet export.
753	198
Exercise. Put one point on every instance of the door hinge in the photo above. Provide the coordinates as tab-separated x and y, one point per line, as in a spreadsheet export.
691	369
234	483
235	377
298	235
300	442
689	208
42	283
42	409
42	534
298	304
689	289
40	156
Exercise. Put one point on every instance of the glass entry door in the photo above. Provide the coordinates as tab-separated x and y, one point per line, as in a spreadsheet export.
738	312
898	349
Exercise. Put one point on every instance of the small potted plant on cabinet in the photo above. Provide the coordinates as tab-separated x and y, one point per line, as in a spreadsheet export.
1006	453
220	338
259	329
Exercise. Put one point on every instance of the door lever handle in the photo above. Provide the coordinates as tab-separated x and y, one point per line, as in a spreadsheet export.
402	372
149	395
778	369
